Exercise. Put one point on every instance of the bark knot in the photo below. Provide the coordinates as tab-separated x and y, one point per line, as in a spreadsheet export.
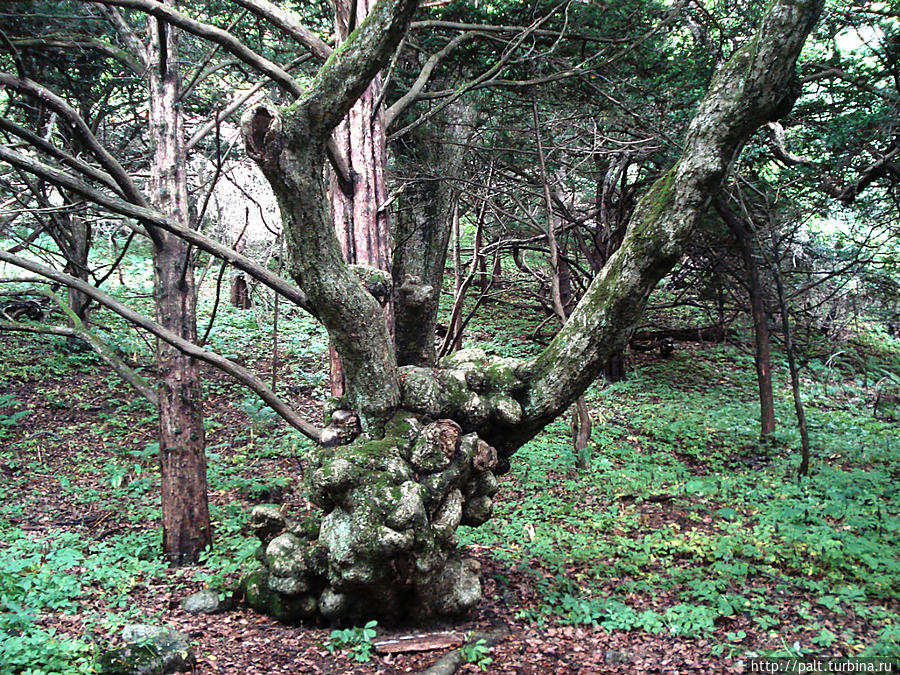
261	129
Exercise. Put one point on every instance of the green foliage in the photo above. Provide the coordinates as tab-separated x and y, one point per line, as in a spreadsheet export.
53	574
357	641
478	653
734	524
9	420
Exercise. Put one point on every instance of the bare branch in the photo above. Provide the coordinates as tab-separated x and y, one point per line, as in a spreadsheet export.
288	22
45	146
217	36
125	33
412	95
781	151
235	370
85	135
112	51
156	219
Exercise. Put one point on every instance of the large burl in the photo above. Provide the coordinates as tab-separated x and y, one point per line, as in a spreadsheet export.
386	547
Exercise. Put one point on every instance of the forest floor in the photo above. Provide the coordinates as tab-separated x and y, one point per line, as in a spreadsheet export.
687	546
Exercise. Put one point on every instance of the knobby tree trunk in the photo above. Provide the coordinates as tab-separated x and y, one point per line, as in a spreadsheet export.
433	438
185	512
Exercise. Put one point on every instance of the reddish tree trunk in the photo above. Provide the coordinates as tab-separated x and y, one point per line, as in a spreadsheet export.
240	293
185	512
363	229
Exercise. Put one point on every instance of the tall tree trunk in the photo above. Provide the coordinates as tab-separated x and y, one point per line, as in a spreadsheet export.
803	469
422	233
358	211
79	237
185	512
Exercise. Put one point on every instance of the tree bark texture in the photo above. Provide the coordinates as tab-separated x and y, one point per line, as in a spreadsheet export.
289	145
394	497
185	520
761	339
423	226
363	228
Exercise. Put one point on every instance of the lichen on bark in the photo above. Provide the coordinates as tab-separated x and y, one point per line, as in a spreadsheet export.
386	547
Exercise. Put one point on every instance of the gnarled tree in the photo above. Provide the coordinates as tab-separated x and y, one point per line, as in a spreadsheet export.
432	438
411	451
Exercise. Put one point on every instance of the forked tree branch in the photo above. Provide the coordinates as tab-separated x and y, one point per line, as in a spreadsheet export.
288	23
215	35
755	86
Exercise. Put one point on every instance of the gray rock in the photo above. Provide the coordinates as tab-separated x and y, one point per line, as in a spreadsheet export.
333	604
292	585
266	522
477	510
284	555
202	602
149	650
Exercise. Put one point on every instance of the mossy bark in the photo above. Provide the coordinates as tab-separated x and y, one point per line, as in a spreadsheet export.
386	547
422	229
393	498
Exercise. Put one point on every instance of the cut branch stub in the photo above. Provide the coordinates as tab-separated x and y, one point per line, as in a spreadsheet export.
386	547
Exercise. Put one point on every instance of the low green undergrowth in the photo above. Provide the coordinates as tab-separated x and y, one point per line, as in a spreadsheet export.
687	524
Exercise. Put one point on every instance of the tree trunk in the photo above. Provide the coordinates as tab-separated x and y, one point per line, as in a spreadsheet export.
762	350
803	469
394	499
185	512
422	234
357	213
79	237
240	292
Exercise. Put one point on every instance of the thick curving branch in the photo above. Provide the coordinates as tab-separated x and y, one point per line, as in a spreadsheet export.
757	85
85	135
288	23
292	158
225	365
350	68
290	146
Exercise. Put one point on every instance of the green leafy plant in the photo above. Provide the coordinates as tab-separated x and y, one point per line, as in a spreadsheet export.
357	641
477	653
9	420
